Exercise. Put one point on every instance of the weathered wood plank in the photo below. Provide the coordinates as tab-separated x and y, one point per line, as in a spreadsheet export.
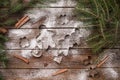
56	3
46	60
46	74
45	66
51	18
31	35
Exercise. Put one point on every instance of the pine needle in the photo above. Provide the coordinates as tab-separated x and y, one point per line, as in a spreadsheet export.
105	15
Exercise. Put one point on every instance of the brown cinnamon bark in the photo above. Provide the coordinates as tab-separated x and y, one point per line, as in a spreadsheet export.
22	58
60	72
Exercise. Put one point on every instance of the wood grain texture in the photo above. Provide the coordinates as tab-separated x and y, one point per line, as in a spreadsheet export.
15	36
57	17
42	68
46	74
59	4
72	61
46	60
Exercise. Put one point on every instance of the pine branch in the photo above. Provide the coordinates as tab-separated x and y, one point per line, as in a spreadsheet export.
16	8
105	15
6	13
1	77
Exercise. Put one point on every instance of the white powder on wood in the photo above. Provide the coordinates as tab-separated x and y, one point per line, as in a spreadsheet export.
19	32
110	72
55	38
38	74
83	75
58	59
26	53
78	75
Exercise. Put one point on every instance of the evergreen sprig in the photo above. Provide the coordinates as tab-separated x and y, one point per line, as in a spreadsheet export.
10	9
1	77
104	15
9	12
3	57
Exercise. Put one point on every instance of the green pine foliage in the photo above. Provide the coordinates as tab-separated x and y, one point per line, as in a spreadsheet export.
9	22
1	77
3	58
9	9
105	18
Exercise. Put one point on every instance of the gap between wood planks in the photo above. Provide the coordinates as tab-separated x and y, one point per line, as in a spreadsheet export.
85	48
39	63
15	72
90	27
60	68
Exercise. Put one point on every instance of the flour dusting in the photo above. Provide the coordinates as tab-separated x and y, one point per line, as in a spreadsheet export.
53	36
110	73
37	74
62	39
83	75
19	32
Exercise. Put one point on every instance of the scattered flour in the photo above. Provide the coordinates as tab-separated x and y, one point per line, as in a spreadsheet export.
78	75
58	59
24	42
60	3
37	74
63	3
110	72
19	32
83	75
53	38
26	53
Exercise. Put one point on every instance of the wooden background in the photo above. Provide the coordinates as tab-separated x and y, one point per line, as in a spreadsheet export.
18	70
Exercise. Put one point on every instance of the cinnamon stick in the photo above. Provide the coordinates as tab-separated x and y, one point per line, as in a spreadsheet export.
60	72
102	62
18	23
3	30
23	22
22	58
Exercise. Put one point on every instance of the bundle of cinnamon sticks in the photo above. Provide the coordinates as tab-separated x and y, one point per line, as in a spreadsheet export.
22	21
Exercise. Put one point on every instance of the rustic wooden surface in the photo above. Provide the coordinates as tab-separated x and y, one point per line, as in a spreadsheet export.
29	74
18	70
